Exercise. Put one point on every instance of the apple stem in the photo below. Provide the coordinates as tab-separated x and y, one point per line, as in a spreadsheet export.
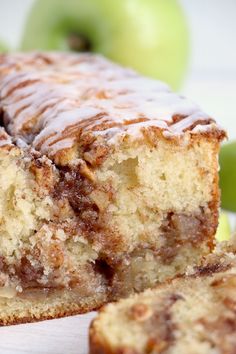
78	43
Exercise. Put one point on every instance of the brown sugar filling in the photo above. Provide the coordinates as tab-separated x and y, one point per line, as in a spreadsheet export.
118	275
111	271
180	229
76	189
157	323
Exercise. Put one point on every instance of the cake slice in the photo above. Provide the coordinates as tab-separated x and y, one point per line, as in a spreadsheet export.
195	314
109	184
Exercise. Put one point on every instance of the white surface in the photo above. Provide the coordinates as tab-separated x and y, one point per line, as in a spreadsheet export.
63	336
211	82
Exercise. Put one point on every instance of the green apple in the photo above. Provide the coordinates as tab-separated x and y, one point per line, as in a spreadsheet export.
223	232
150	36
228	176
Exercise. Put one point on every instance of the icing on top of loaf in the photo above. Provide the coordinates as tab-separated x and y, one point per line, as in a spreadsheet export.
49	99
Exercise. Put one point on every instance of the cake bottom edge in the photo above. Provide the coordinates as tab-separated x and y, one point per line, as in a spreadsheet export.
61	304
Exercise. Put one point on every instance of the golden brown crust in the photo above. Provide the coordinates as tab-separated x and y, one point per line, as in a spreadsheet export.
63	309
15	320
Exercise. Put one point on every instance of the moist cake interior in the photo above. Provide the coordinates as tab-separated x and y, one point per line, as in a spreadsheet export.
192	314
95	209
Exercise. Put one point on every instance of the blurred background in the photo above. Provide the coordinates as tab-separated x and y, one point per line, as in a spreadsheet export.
210	78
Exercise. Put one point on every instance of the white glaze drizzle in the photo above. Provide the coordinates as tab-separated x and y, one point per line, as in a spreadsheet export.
46	95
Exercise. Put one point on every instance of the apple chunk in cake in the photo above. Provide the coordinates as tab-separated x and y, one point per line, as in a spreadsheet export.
109	184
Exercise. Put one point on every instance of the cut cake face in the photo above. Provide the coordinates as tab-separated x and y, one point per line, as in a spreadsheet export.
194	314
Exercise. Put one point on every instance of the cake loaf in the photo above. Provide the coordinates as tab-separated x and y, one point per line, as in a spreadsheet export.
195	314
109	184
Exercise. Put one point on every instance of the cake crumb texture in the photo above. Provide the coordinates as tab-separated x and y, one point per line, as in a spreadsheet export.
109	184
192	314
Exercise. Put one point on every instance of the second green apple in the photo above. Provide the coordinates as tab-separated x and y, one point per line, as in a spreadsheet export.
228	176
148	35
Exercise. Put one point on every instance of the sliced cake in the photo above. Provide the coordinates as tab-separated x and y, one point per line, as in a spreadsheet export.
109	184
195	314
